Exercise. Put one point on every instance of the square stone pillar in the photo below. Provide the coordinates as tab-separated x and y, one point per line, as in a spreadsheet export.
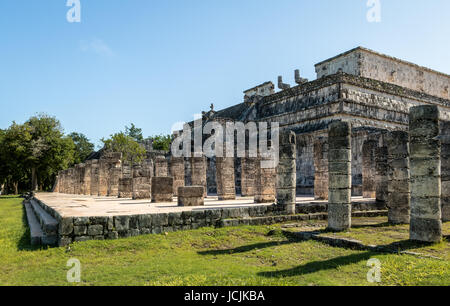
265	186
190	196
162	189
287	172
103	173
198	172
445	170
398	174
226	189
425	150
87	177
161	166
381	175
79	177
177	172
142	175
72	181
369	169
94	177
248	176
340	176
321	168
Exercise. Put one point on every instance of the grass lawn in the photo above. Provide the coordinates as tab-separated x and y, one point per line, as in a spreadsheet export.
229	256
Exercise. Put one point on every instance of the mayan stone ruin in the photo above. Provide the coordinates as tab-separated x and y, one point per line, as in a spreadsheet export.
370	127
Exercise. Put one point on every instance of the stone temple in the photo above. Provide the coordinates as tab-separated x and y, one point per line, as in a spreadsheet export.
369	126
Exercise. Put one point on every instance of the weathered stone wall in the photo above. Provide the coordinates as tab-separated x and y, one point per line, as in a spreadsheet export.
369	64
94	177
87	178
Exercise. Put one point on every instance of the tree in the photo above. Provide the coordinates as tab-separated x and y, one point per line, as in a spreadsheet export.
15	148
51	151
134	133
132	151
162	142
83	147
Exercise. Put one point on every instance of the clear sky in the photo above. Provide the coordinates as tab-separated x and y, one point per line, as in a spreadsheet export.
157	62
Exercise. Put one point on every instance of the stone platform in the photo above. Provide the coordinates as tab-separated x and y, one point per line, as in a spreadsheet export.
81	218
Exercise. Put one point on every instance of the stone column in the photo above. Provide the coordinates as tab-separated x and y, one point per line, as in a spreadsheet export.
177	172
142	175
369	169
321	168
73	181
265	185
398	174
445	170
126	181
381	174
226	189
425	165
161	167
287	172
103	173
79	178
248	174
340	176
94	177
87	177
198	172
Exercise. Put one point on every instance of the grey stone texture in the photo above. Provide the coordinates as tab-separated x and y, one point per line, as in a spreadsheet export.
177	172
445	170
381	174
191	196
321	168
369	169
162	189
339	182
398	201
425	163
286	172
198	172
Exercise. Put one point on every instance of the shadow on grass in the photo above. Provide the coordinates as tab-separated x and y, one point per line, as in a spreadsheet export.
316	266
291	238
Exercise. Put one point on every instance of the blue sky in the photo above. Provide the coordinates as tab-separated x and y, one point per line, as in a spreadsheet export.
157	62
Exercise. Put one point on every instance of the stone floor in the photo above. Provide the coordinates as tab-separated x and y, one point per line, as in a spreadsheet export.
69	205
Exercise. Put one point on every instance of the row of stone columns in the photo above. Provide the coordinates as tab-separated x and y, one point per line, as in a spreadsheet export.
409	174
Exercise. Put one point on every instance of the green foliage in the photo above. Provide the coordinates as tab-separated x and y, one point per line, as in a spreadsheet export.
83	147
38	147
162	142
134	133
131	150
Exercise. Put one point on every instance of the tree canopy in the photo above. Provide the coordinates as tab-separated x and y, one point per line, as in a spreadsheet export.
31	154
83	147
132	151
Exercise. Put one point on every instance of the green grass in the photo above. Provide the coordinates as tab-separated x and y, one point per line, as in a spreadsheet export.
231	256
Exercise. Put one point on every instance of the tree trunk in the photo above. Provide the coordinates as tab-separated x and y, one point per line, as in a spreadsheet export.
34	185
16	188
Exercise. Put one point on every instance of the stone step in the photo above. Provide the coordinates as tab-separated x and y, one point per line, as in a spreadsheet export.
267	220
36	233
49	225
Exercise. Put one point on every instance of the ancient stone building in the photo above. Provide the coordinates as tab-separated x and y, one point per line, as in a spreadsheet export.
371	91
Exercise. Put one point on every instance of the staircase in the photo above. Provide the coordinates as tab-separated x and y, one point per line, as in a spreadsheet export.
43	227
